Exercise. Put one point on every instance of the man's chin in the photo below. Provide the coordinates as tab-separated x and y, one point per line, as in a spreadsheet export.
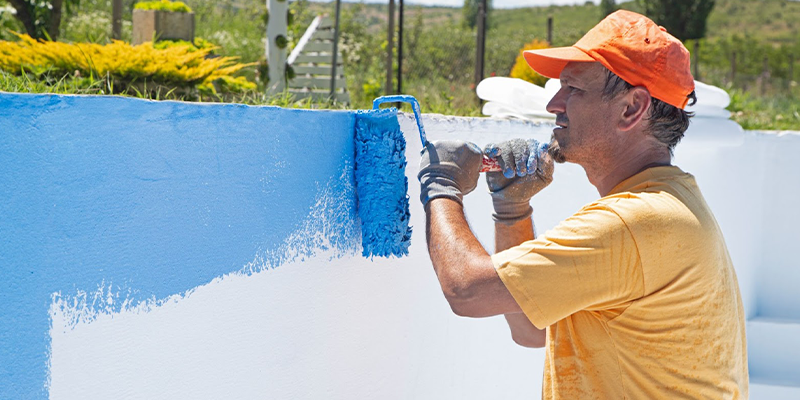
555	151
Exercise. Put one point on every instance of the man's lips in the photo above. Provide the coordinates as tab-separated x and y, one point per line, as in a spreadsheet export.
562	121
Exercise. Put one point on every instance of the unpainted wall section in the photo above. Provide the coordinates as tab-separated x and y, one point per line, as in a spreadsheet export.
778	274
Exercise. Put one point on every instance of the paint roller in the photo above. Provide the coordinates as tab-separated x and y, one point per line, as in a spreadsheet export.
380	179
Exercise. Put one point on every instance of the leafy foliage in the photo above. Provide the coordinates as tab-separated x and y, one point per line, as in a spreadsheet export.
470	12
163	5
523	71
607	7
774	113
42	18
684	19
198	44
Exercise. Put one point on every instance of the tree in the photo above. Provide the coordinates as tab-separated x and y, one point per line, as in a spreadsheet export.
470	12
41	19
607	7
684	19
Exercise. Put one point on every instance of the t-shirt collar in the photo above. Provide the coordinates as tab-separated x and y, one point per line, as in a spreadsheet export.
652	173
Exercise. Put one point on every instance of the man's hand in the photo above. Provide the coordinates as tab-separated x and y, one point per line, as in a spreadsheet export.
527	169
450	169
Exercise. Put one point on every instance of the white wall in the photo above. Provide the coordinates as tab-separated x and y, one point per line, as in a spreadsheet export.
777	276
333	326
342	327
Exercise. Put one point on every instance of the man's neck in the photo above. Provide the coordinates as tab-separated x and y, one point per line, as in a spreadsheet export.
606	177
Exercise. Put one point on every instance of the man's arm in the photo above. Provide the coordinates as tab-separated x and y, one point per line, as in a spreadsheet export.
464	268
523	332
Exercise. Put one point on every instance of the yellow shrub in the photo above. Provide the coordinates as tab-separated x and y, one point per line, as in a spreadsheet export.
521	68
175	66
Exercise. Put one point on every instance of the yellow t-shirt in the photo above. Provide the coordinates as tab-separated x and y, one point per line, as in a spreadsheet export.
638	294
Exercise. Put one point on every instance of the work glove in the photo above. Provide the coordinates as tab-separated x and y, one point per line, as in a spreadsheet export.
450	169
526	169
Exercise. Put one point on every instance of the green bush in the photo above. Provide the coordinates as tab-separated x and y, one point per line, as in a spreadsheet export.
198	44
163	5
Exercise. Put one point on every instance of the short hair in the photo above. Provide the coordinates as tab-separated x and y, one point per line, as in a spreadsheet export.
667	122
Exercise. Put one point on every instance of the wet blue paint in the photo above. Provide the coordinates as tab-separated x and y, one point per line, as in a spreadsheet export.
154	198
381	184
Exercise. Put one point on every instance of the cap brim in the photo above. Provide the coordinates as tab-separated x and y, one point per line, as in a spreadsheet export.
550	62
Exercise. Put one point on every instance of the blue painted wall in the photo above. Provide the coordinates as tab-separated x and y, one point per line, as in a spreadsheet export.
152	198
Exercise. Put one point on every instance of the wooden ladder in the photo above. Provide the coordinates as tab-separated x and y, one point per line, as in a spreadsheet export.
311	60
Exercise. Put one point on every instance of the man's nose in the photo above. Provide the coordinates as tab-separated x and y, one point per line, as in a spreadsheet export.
558	104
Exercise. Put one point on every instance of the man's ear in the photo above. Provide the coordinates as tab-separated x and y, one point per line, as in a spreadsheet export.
637	104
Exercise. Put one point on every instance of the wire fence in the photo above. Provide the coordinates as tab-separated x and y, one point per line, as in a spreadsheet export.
439	57
439	65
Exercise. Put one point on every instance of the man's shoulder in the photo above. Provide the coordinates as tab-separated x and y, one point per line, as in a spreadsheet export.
667	191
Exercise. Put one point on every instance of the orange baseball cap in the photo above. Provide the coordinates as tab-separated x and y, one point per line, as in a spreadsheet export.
631	46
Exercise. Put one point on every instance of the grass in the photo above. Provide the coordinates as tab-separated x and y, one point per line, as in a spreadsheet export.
774	113
71	84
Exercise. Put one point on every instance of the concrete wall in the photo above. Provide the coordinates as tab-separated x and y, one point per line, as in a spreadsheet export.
778	273
161	250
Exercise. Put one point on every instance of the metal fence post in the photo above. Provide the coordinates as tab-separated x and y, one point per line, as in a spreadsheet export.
791	72
335	48
550	30
765	76
400	50
481	45
390	51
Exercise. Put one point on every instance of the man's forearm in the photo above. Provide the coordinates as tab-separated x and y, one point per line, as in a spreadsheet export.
523	331
508	236
452	245
464	268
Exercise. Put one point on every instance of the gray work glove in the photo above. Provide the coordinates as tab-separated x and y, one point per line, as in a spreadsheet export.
449	168
527	169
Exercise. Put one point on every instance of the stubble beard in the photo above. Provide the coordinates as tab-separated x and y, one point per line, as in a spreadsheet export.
555	151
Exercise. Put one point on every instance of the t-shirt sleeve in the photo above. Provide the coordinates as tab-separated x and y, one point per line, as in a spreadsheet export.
588	262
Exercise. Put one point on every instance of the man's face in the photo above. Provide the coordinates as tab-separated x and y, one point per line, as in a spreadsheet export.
585	120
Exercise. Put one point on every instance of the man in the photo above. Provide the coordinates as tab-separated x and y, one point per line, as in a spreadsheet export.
634	296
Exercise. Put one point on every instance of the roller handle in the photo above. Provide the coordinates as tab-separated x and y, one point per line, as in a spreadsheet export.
376	104
490	165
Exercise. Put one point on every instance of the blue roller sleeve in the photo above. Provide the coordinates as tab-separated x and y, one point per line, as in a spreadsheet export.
381	184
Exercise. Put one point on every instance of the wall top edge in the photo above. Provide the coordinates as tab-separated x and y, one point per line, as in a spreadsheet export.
512	121
776	133
166	102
